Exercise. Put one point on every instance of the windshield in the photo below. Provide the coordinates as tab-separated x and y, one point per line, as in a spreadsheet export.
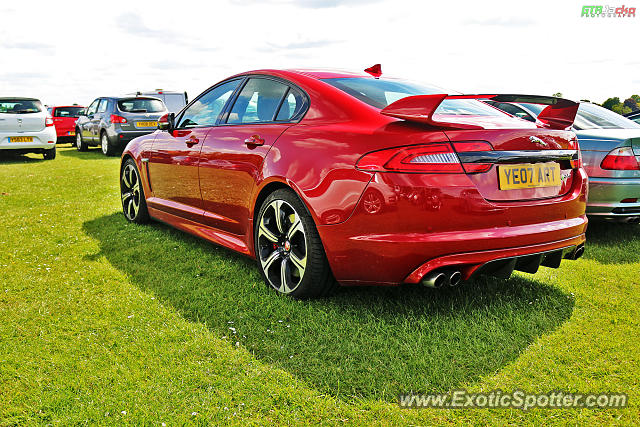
380	93
20	106
67	112
141	105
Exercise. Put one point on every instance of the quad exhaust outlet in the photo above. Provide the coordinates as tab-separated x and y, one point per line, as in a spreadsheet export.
442	278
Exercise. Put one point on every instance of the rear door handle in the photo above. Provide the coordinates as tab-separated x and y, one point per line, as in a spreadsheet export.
254	140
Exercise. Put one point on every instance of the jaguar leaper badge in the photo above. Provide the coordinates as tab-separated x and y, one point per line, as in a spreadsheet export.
537	140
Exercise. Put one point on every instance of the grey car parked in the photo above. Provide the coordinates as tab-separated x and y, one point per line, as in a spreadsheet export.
111	122
610	146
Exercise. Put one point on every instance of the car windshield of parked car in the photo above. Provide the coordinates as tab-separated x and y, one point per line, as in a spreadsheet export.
67	112
20	106
592	116
141	105
380	93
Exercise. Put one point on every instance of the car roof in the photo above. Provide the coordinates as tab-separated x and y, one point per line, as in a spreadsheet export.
67	106
315	73
19	98
157	92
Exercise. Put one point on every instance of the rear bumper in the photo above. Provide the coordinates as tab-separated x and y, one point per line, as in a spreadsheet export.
470	263
606	194
41	140
122	138
442	221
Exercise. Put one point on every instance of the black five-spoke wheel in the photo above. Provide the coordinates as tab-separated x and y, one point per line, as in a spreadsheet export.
288	248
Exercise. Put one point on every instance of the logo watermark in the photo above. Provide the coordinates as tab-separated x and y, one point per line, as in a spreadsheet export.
519	399
608	12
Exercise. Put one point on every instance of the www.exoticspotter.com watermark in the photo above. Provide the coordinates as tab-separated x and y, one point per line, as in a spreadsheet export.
518	399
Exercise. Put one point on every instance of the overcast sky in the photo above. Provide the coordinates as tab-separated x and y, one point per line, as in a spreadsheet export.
66	51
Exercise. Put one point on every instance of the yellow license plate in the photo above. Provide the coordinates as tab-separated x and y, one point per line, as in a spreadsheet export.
146	124
529	175
21	139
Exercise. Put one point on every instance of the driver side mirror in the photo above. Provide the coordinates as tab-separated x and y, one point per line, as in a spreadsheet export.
167	122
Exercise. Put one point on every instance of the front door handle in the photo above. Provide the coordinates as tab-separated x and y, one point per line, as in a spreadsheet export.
254	140
192	141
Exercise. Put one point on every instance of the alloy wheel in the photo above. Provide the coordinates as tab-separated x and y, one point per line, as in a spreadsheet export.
78	141
282	246
104	143
130	190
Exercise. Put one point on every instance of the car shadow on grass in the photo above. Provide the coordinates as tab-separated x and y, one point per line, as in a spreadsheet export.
92	153
372	342
9	158
612	242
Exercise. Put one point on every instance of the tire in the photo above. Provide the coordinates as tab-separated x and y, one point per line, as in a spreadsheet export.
80	144
49	154
134	204
292	240
107	147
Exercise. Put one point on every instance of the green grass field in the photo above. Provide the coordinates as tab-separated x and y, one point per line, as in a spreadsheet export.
105	322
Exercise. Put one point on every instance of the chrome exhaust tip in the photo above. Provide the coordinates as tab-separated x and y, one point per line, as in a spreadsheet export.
435	280
455	278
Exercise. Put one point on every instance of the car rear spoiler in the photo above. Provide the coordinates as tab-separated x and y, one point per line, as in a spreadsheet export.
559	113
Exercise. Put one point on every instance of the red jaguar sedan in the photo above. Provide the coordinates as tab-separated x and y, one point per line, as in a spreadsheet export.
331	178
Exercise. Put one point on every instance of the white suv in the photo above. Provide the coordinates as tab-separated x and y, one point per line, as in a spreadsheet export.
26	127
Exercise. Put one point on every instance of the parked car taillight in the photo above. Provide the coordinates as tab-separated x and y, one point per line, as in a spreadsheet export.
621	158
118	119
48	122
432	158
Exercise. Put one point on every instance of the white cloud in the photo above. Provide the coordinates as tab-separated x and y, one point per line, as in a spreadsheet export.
77	52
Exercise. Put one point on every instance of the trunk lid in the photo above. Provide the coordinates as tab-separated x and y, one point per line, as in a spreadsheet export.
27	122
537	161
140	121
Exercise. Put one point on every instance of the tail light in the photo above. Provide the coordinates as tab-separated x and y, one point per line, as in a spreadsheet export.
432	158
48	122
473	146
118	119
577	163
621	158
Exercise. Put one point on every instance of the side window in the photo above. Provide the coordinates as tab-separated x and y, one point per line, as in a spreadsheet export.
205	110
291	106
103	106
257	102
93	107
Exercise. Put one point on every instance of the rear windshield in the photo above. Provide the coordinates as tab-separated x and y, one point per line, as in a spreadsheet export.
141	105
380	93
20	106
67	111
592	116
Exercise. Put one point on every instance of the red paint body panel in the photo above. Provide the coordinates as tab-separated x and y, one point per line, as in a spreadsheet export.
376	227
